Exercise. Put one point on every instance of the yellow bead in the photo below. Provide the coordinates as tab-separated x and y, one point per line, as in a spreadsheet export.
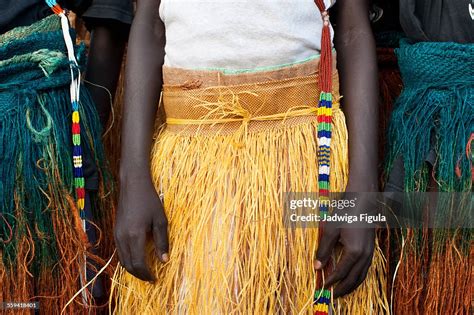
75	117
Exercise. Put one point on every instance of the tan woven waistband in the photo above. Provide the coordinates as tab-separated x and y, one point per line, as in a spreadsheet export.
199	98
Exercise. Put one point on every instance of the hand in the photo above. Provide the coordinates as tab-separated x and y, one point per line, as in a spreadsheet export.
140	212
358	248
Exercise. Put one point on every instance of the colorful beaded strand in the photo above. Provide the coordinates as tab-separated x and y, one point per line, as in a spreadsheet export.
79	182
75	89
322	297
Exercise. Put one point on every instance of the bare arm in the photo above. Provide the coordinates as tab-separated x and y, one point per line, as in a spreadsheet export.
140	210
357	65
358	82
104	62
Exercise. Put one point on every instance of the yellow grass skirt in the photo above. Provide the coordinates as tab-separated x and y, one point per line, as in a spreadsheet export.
232	146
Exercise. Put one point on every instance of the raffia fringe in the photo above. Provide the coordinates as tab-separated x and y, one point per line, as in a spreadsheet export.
230	252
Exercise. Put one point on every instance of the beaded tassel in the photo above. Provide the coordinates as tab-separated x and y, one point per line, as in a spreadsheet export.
322	297
74	88
79	181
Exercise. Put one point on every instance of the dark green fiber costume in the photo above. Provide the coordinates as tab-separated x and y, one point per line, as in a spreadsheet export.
42	242
431	133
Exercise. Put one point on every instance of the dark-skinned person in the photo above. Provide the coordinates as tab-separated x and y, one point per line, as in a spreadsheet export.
52	188
251	101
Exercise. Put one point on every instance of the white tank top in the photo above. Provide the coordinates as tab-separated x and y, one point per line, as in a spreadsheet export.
240	35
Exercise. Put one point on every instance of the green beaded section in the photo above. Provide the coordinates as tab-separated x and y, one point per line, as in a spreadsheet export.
322	293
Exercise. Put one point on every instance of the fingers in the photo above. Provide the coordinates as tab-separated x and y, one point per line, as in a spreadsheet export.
140	212
160	238
139	268
123	251
344	266
355	277
326	245
131	252
356	258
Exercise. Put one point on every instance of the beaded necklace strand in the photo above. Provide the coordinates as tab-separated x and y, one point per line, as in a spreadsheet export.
75	90
76	127
322	297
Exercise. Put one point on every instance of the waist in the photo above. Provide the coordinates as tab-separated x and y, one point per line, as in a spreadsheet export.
34	57
435	64
211	100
